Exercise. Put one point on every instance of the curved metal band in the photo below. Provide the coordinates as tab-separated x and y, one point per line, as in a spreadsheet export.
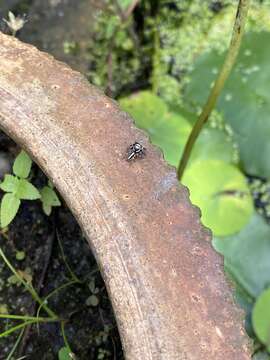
165	282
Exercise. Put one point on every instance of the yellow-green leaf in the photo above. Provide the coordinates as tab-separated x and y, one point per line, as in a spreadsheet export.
22	165
9	206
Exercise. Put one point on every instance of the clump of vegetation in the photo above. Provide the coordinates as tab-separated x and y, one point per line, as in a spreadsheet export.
17	187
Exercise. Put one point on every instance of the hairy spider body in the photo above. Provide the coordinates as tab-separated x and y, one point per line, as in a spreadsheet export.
134	151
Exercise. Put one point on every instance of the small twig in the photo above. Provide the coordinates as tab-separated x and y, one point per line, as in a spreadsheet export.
237	34
124	17
108	90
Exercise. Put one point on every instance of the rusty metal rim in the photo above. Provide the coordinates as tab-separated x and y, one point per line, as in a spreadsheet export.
165	282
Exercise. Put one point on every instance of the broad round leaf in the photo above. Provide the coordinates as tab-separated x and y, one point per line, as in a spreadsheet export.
221	192
27	191
213	144
247	255
146	108
245	101
261	318
9	206
22	165
10	183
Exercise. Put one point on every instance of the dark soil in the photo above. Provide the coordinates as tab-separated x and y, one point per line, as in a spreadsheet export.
90	329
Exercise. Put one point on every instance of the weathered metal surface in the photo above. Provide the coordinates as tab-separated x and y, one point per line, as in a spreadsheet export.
165	281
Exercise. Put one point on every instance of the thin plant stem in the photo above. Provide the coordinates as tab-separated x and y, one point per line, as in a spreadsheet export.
15	345
32	320
69	283
28	318
156	60
72	274
28	286
65	337
237	34
17	327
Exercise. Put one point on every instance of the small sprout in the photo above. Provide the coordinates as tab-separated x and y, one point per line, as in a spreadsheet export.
92	301
16	188
15	23
70	47
3	309
14	280
65	354
49	199
92	287
20	255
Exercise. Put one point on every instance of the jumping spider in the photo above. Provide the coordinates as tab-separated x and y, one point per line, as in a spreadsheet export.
134	151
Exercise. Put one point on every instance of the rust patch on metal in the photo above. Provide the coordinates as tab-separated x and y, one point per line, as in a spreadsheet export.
165	281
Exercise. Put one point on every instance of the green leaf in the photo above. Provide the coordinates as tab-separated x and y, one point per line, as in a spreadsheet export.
213	144
64	354
261	318
10	184
14	280
22	165
247	255
47	209
170	130
146	108
245	101
49	198
27	191
9	206
221	192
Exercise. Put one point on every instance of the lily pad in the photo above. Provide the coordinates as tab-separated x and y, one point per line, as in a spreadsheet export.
245	100
261	318
247	255
221	192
